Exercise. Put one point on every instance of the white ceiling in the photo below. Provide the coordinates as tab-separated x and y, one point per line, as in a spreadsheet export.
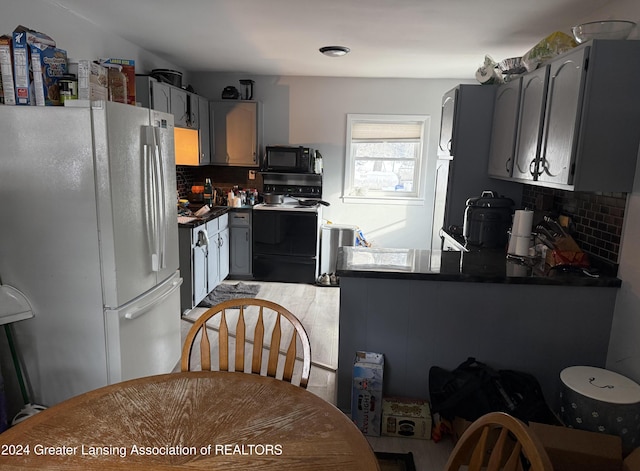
388	38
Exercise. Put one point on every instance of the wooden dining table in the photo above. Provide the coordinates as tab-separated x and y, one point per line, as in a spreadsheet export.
194	420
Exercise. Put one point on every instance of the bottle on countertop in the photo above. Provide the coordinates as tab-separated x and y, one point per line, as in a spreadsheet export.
208	192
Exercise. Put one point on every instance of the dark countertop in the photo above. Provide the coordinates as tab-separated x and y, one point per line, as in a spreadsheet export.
482	266
216	211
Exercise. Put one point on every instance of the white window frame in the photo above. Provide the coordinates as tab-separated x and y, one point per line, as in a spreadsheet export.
417	196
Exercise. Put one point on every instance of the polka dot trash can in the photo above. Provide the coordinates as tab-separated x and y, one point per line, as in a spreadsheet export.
599	400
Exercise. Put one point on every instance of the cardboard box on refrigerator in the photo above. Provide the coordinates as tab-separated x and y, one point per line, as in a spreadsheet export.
8	95
366	393
406	417
122	79
21	78
92	79
23	39
48	65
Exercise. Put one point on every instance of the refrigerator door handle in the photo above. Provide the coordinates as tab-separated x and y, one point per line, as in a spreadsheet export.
149	204
137	310
162	209
155	179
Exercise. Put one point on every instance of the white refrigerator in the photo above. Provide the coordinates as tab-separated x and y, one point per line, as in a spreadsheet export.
88	234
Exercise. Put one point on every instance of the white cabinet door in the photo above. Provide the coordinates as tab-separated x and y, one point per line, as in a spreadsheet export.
213	257
224	254
200	268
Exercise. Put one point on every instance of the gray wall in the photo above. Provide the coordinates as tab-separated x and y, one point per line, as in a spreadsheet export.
313	111
80	38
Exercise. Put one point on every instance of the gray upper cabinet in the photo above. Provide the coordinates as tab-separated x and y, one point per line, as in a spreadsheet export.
235	132
161	96
445	143
203	123
505	123
579	119
179	107
529	135
562	117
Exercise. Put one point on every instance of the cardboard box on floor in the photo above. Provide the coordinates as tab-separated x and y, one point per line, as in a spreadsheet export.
406	417
570	449
366	393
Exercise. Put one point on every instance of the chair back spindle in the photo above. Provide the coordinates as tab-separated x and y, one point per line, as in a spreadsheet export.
244	306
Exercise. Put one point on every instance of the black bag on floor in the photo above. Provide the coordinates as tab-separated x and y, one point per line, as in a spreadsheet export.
474	389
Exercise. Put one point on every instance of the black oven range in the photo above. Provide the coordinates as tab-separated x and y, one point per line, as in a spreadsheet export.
286	236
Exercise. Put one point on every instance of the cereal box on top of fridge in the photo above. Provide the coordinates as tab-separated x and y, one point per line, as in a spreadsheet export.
48	64
6	71
122	79
21	77
92	79
22	38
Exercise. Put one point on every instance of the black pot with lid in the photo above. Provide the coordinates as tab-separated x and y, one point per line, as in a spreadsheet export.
487	219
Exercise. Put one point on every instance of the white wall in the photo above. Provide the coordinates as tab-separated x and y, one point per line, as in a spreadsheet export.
313	111
80	38
624	345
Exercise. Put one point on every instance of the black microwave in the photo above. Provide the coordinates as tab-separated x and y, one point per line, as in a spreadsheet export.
288	159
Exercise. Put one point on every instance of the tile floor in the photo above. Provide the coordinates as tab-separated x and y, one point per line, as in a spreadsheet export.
316	302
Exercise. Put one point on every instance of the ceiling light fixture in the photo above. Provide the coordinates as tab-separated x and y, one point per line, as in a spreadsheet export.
334	51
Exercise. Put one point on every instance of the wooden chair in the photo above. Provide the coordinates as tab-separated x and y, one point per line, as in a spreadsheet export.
249	306
498	441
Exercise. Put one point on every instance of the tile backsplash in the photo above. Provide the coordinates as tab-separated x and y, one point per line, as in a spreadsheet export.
221	177
597	217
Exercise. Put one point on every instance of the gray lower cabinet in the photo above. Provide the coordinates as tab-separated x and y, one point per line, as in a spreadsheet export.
418	324
240	265
204	259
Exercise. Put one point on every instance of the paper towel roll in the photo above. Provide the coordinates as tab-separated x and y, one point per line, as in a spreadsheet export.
519	245
522	222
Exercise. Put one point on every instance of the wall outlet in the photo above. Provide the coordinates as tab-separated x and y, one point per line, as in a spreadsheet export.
252	174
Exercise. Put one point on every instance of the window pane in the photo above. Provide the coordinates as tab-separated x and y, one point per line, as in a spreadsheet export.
385	166
384	175
387	150
384	157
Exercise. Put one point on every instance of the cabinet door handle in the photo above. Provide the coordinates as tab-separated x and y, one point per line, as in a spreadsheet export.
532	168
507	166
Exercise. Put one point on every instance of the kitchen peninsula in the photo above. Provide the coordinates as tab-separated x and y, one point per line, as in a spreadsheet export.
424	308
